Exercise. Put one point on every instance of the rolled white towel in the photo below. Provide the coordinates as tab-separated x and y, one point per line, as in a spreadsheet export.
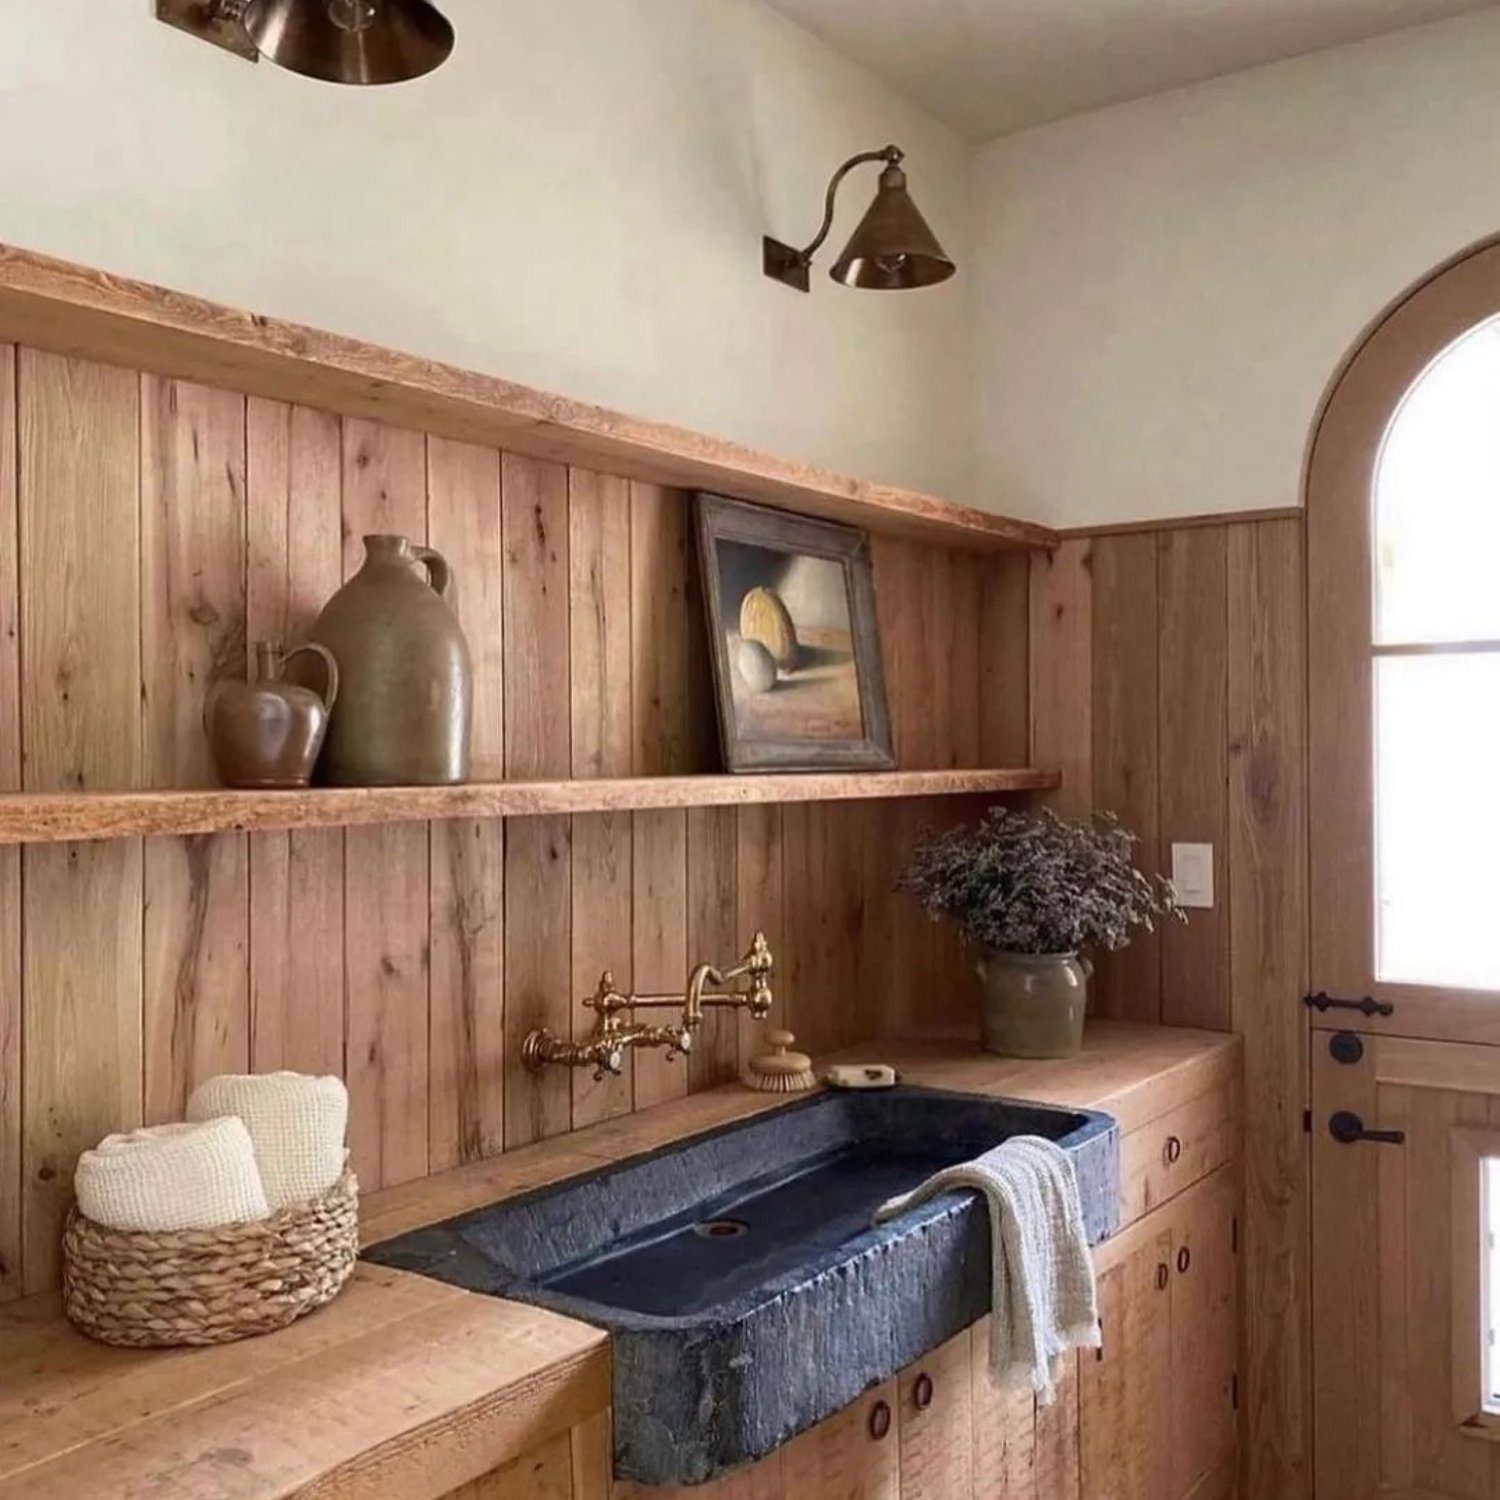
297	1124
172	1177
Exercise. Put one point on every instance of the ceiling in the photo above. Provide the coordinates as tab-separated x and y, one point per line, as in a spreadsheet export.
988	67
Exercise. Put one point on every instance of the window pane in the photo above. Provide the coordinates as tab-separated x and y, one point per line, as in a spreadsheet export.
1437	820
1437	501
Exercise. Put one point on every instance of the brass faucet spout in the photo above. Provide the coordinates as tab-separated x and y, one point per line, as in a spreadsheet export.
745	986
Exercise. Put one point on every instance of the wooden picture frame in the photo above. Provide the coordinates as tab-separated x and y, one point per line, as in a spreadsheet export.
805	689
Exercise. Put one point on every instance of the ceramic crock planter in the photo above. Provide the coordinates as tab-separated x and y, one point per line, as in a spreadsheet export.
405	706
1034	1003
265	734
1031	892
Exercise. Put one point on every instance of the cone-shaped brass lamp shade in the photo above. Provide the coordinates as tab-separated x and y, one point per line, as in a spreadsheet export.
893	249
350	41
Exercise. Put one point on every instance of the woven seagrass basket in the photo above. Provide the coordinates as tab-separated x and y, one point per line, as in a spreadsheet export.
209	1286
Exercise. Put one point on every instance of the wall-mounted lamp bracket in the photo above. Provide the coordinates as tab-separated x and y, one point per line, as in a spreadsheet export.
216	21
782	263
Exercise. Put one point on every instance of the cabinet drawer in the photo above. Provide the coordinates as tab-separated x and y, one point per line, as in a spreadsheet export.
1175	1150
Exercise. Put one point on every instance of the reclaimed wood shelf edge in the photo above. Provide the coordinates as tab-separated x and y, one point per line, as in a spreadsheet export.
70	309
67	817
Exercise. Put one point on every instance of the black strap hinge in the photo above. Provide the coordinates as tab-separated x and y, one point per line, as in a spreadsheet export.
1369	1006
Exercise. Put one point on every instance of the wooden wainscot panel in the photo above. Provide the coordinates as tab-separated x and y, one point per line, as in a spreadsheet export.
160	524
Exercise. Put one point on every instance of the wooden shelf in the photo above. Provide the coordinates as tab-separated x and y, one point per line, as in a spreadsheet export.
51	304
66	817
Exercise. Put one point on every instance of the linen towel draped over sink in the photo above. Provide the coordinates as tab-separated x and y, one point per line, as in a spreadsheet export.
1042	1280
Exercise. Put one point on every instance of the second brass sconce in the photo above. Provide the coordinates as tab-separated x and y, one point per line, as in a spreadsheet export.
893	250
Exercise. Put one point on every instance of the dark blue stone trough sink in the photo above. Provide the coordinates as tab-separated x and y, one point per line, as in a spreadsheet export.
745	1292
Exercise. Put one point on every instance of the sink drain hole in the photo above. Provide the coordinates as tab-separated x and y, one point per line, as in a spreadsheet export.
721	1229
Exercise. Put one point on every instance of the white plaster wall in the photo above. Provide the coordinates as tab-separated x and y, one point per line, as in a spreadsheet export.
574	201
1166	287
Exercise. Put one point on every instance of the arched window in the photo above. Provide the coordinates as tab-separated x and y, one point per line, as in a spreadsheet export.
1436	650
1403	559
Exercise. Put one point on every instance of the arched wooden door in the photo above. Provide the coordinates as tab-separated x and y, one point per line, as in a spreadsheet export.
1403	497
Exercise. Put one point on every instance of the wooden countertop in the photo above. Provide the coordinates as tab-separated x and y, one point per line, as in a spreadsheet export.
1132	1072
406	1388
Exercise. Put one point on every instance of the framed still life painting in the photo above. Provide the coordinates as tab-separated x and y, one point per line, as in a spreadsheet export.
796	652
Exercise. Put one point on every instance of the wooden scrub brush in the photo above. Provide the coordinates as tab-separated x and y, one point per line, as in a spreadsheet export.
781	1071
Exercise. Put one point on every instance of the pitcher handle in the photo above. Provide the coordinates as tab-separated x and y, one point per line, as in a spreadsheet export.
438	571
330	668
1087	965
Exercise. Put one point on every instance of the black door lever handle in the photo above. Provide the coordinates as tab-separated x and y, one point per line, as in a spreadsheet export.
1346	1128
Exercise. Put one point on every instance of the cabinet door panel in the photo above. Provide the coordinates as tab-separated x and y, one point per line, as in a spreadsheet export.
546	1473
854	1455
1004	1424
1204	1331
1125	1421
936	1422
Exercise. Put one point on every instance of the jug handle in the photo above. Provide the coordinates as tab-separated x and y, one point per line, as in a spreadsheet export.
330	667
438	570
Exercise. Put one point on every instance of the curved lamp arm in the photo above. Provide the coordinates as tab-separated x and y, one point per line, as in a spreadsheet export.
792	266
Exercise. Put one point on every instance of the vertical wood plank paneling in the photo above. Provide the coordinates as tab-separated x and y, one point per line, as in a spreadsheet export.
10	859
962	659
193	571
538	854
1268	975
466	1112
386	885
1061	698
1193	586
466	1101
80	580
713	922
759	897
79	530
898	950
1125	755
603	733
664	740
294	487
1004	661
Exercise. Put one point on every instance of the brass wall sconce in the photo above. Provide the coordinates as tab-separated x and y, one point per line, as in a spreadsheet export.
893	250
338	41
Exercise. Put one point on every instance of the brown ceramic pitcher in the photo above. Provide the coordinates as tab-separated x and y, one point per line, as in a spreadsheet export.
405	703
266	733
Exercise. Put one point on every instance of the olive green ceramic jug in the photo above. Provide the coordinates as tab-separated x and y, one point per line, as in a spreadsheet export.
406	682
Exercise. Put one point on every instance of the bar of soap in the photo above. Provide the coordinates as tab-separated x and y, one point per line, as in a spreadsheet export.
861	1076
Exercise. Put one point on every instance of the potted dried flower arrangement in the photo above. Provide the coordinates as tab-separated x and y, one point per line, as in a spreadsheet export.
1032	892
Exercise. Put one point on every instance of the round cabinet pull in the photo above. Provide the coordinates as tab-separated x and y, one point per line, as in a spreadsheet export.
1173	1152
1163	1272
1184	1260
880	1420
922	1392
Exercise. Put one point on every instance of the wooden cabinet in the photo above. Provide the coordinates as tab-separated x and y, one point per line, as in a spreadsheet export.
1157	1402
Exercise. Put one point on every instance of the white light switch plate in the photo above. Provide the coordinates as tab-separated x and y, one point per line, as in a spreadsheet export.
1193	875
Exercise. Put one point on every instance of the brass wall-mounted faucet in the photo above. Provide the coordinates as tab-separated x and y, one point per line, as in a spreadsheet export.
746	986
